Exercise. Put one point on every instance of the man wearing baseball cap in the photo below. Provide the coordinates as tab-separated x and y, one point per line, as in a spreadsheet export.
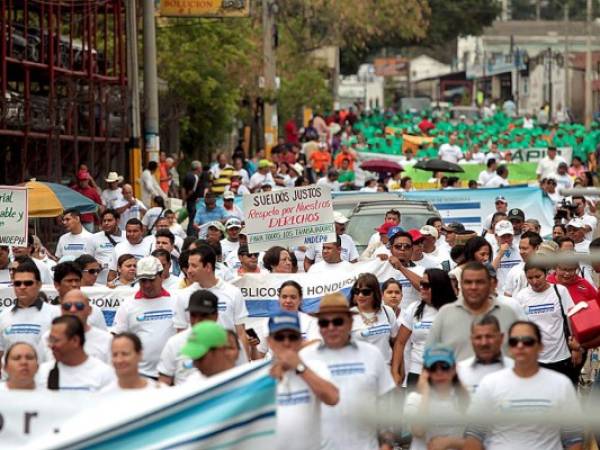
314	252
149	314
506	252
231	242
501	206
231	209
378	247
302	385
432	249
418	256
357	369
206	347
517	218
576	230
174	368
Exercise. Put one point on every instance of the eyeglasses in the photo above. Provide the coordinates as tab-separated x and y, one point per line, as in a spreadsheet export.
425	285
337	322
79	306
92	271
364	291
26	283
441	366
292	337
527	341
402	246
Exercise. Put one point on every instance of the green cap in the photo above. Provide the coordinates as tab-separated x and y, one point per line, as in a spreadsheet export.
204	337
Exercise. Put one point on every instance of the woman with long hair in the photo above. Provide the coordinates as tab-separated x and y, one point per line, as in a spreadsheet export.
126	351
375	322
438	389
278	260
415	322
20	366
476	249
126	269
290	299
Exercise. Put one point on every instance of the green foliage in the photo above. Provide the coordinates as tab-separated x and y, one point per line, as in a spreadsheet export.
307	87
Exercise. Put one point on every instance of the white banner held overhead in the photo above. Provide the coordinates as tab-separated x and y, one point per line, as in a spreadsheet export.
13	216
288	217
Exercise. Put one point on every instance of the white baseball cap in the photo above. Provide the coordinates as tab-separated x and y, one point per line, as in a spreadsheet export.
429	230
504	227
233	222
148	267
338	217
576	222
228	195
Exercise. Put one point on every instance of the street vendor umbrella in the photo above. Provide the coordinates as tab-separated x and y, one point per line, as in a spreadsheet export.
438	165
51	199
381	166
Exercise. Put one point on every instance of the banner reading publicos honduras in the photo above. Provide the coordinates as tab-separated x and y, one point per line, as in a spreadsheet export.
288	217
232	410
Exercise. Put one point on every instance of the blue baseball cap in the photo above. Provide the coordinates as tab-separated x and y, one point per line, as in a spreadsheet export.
438	353
394	231
284	320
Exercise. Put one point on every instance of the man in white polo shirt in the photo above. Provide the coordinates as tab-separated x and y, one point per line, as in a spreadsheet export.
149	314
106	240
357	369
231	242
77	240
332	259
486	339
134	244
450	151
302	385
314	252
201	273
506	250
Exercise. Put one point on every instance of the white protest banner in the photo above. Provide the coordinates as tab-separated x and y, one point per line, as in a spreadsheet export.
108	300
288	217
13	216
231	410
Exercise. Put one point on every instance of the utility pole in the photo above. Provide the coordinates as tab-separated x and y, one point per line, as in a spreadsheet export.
567	94
270	66
133	85
588	66
151	135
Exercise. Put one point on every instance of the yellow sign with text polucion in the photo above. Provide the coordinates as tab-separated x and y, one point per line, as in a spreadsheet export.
205	8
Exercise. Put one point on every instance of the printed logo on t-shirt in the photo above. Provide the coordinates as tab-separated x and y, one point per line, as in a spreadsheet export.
540	309
188	364
376	330
509	264
106	245
423	325
74	247
293	398
347	369
222	306
161	314
528	405
23	328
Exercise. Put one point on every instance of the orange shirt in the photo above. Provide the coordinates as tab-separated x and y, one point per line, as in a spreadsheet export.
321	160
341	156
164	176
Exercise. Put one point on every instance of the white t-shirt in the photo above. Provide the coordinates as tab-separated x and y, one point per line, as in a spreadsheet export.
592	221
379	333
349	252
133	212
513	304
409	293
151	216
299	410
547	166
150	386
428	262
26	325
503	391
152	320
510	259
419	331
75	245
228	247
140	250
258	179
333	185
543	309
309	329
324	266
172	363
478	158
232	308
97	344
515	280
111	197
484	177
450	153
104	252
471	372
361	375
92	375
496	181
46	274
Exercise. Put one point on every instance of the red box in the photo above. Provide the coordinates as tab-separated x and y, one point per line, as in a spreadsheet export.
585	321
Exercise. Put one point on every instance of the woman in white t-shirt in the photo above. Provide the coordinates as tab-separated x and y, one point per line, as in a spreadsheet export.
375	322
20	365
126	351
546	305
391	292
415	323
290	299
126	269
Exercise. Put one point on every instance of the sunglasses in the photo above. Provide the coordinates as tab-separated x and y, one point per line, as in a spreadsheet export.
365	292
79	306
337	322
250	255
527	341
92	271
425	285
292	337
402	246
27	283
441	366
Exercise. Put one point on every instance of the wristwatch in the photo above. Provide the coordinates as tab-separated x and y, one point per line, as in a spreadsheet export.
300	368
